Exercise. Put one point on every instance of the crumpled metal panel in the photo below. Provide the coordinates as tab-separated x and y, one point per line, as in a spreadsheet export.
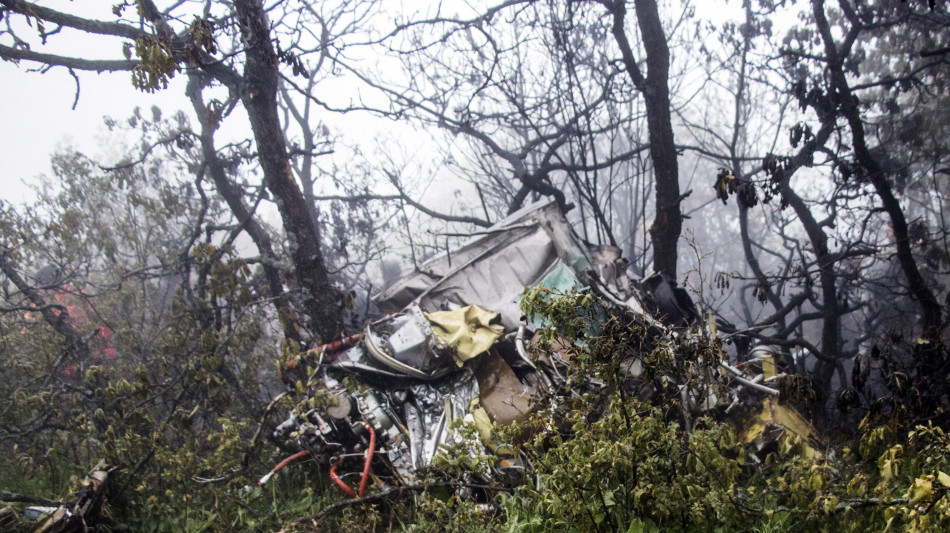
439	404
405	342
493	268
769	422
504	397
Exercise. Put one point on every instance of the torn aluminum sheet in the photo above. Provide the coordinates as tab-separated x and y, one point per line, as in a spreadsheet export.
493	268
399	345
441	405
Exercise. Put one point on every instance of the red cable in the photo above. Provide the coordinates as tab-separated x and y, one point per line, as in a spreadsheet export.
366	466
336	346
330	350
282	464
369	458
339	481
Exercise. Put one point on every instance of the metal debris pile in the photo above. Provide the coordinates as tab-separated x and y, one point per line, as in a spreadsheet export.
453	353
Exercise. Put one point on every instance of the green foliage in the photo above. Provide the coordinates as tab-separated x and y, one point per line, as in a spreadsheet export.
623	468
159	59
451	515
616	450
611	462
158	64
175	409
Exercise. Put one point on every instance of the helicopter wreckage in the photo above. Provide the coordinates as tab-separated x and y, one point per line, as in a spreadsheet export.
454	348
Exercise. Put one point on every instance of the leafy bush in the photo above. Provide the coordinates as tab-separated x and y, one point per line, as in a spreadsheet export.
614	450
607	461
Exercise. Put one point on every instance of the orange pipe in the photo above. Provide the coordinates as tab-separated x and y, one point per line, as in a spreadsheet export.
336	346
367	464
346	488
369	458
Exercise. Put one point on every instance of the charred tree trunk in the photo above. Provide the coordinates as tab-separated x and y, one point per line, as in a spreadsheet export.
827	276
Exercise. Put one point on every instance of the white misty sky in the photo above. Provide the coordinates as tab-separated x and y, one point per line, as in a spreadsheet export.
38	118
36	109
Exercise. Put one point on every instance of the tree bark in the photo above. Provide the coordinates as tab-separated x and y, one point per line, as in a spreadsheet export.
827	277
234	197
668	222
259	97
56	316
258	93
